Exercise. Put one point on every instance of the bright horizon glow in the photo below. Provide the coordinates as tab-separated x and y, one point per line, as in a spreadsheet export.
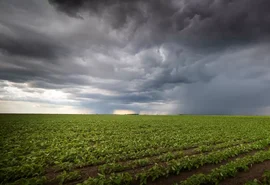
122	112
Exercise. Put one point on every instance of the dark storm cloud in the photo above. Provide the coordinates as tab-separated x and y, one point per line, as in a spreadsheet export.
127	98
238	97
122	11
27	43
218	22
41	78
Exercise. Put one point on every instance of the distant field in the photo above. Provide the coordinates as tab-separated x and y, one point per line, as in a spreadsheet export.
131	149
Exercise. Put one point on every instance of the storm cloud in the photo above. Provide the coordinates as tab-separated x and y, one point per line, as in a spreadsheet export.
153	57
211	22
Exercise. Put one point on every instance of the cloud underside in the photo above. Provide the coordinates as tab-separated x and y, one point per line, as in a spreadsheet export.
148	57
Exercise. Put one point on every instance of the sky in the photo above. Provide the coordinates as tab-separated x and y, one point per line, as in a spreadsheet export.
135	56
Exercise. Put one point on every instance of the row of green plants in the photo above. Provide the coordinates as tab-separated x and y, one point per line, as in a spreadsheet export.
176	166
32	163
61	178
229	170
118	167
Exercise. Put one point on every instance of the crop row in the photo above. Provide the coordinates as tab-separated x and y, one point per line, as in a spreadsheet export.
36	170
176	166
117	167
35	165
229	170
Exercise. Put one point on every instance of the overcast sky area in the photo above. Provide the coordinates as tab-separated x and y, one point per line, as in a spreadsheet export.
135	56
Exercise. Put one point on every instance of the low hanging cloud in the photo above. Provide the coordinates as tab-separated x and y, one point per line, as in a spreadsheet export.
148	57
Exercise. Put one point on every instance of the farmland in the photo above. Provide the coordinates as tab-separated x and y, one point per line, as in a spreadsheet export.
130	149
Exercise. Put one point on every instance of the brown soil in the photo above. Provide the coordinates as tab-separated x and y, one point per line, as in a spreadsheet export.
51	175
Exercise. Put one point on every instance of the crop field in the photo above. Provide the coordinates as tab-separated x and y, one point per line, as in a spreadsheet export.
134	149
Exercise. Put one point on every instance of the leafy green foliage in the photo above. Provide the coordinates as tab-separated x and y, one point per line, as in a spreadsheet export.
30	145
229	170
68	176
